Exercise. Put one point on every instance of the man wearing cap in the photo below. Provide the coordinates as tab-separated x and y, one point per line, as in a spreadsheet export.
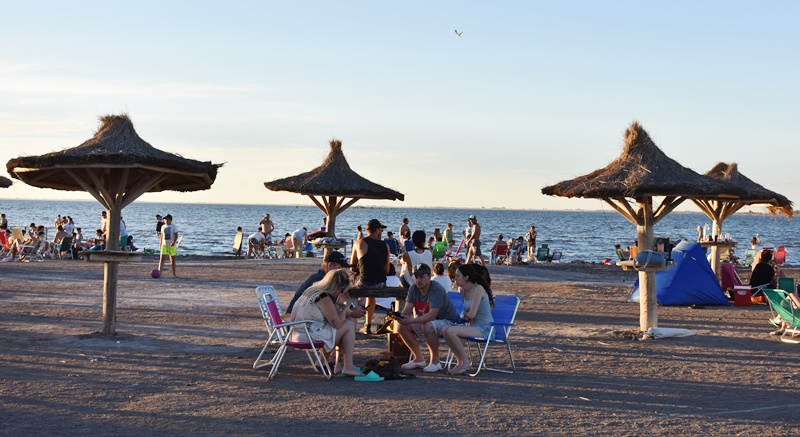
371	258
434	311
169	239
334	260
474	241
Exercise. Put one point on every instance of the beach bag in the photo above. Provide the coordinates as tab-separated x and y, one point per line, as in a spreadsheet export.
397	347
387	367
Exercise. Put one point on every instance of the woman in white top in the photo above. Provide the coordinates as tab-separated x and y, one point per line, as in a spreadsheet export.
438	276
325	303
411	258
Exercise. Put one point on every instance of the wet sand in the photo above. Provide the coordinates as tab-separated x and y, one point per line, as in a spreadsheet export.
181	363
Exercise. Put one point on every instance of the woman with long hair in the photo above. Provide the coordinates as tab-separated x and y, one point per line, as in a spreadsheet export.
325	303
478	300
419	255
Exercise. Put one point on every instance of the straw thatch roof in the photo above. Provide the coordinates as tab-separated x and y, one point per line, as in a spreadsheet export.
5	182
334	178
642	170
115	145
755	193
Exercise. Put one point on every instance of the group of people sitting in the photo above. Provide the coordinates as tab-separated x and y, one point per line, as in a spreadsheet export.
324	299
512	249
34	242
290	246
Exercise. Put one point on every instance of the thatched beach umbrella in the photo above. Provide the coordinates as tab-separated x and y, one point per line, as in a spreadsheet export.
629	185
333	186
721	209
116	166
5	182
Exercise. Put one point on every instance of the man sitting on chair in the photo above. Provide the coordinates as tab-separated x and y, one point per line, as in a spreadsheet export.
763	272
434	311
334	260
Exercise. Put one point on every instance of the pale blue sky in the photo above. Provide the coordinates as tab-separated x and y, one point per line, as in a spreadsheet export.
531	94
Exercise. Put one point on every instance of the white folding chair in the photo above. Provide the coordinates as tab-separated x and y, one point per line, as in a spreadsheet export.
283	331
264	293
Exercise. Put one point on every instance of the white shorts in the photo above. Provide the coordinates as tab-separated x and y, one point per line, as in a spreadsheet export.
437	324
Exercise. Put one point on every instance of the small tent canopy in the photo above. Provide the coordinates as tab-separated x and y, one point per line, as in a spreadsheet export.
690	281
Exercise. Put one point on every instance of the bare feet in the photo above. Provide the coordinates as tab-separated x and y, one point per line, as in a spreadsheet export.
352	372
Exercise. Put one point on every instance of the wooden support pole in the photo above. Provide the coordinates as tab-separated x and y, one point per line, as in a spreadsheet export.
648	312
110	298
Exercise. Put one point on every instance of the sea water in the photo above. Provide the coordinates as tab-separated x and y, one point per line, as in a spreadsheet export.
209	229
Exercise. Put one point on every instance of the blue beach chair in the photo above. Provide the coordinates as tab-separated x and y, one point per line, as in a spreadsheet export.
503	313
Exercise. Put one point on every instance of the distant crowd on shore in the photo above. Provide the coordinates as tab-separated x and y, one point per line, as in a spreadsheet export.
34	243
300	243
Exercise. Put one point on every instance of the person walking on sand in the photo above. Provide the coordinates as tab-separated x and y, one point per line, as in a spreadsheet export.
474	241
169	238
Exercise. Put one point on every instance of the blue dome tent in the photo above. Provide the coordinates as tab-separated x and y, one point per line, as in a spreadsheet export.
689	281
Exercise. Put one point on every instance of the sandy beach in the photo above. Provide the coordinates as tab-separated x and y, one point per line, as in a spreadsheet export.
181	363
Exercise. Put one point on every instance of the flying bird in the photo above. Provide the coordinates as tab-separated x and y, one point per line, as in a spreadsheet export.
458	34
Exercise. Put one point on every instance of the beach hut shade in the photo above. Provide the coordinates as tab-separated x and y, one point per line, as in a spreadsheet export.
720	209
115	166
334	178
640	173
333	186
642	170
754	194
114	149
5	182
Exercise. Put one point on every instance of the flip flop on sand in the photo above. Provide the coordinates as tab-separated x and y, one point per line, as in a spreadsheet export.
369	377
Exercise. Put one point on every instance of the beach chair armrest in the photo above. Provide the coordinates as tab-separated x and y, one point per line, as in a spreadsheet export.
500	324
296	322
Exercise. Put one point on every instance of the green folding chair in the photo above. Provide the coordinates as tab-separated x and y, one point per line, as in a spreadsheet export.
781	305
749	257
543	254
786	284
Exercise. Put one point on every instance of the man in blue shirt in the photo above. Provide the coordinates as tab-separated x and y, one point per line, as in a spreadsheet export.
334	260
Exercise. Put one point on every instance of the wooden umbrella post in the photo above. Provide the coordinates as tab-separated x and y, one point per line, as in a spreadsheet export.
110	270
648	309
